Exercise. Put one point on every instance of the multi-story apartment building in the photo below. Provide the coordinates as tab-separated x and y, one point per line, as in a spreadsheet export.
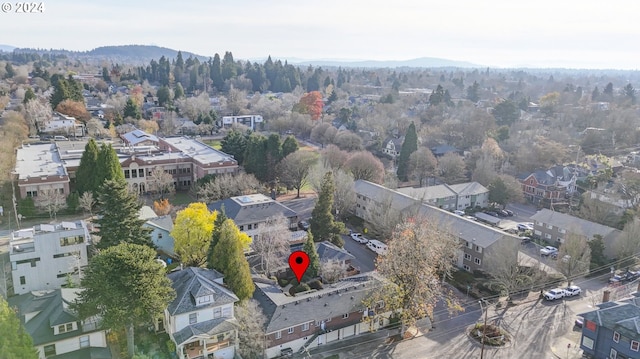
43	257
451	197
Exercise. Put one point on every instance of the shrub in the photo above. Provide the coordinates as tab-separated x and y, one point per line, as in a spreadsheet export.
299	288
315	284
283	282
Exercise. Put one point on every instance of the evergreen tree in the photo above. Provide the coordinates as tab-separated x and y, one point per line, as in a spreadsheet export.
228	258
105	74
15	342
255	156
107	167
409	146
289	146
309	248
28	96
178	91
273	156
595	95
472	92
132	110
87	170
323	226
229	69
9	71
164	96
216	73
215	235
235	144
118	216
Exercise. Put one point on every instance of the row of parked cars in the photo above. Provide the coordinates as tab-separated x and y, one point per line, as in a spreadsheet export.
560	293
628	276
373	244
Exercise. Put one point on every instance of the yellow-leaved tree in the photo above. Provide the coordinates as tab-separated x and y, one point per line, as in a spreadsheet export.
192	233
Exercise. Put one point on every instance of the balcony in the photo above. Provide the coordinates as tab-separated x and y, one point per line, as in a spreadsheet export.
194	351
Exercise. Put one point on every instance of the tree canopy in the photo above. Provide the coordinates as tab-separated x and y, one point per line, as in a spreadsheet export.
322	223
192	233
15	342
228	258
409	146
86	180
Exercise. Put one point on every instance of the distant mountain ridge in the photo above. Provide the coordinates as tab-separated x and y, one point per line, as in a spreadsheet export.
6	48
419	62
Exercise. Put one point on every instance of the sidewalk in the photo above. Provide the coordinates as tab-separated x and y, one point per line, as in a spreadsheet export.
567	346
350	348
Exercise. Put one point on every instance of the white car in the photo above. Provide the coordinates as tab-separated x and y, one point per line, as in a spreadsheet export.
459	212
572	291
554	294
358	237
548	250
525	226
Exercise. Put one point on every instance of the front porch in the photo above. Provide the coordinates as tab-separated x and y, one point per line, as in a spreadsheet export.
206	349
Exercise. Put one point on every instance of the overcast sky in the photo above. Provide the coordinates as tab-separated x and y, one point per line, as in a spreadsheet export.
503	33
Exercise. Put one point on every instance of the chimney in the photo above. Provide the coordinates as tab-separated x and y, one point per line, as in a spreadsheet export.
605	296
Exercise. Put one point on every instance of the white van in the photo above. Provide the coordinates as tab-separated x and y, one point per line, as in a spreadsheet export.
60	138
377	246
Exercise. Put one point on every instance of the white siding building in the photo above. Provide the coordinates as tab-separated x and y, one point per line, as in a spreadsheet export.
43	256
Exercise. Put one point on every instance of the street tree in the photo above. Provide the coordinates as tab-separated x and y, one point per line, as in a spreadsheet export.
507	276
228	258
251	329
271	243
118	216
409	146
574	256
87	170
309	247
294	169
420	252
422	165
160	182
52	200
333	157
15	342
322	223
228	185
125	286
192	233
364	165
627	247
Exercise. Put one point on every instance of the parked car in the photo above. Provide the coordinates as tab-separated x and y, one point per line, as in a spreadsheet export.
525	226
491	213
358	237
509	212
502	213
554	294
459	212
572	291
472	218
548	250
304	225
628	276
377	246
578	322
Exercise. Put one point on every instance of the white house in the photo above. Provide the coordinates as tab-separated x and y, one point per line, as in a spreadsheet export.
61	123
247	120
56	331
44	256
200	320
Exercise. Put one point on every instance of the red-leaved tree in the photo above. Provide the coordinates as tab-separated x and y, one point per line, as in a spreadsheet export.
311	104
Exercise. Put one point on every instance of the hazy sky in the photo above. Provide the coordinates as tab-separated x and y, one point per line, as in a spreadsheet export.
505	33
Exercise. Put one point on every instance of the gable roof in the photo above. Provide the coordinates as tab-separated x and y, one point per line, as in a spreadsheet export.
469	189
138	136
86	353
329	251
164	222
251	209
146	212
623	318
565	221
47	309
397	142
191	282
430	192
283	311
204	329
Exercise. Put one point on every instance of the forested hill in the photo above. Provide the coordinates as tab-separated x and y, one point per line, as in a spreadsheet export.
130	53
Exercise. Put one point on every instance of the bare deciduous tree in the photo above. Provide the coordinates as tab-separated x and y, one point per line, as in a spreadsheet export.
52	200
87	202
161	182
271	243
345	195
251	329
507	275
422	164
332	270
451	168
364	165
574	256
228	185
37	113
628	245
294	169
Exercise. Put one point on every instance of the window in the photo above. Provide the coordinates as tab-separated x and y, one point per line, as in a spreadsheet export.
278	334
561	230
23	280
467	256
550	226
305	326
613	354
587	342
140	172
226	312
478	249
193	318
62	255
159	235
67	241
467	268
547	236
84	341
134	174
241	228
32	193
204	299
469	245
217	312
477	261
616	337
248	226
255	226
345	316
290	330
220	337
65	328
635	345
49	350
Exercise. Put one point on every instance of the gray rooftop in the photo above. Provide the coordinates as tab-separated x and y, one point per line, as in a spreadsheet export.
329	251
284	311
469	188
623	318
250	209
86	353
571	223
218	325
190	281
164	222
38	160
138	136
197	150
427	193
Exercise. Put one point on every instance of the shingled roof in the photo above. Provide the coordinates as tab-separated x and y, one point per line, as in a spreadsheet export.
190	283
623	318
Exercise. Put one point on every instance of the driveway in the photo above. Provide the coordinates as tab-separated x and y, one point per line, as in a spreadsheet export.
365	258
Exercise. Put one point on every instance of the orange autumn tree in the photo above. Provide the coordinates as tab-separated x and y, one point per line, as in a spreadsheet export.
162	207
74	109
311	104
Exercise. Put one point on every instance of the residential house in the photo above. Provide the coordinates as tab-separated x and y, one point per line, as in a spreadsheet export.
200	320
250	121
63	124
315	318
56	330
548	186
161	227
612	330
251	211
451	197
328	251
392	146
553	227
375	203
42	257
139	138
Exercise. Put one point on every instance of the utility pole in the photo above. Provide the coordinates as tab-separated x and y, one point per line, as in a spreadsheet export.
484	328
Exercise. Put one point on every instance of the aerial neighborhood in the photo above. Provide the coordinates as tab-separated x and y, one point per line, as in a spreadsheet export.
151	206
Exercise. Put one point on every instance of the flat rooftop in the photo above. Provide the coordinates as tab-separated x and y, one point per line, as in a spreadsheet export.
197	150
38	160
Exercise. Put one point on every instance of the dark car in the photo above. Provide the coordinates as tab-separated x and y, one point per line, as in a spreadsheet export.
491	213
502	213
304	225
509	212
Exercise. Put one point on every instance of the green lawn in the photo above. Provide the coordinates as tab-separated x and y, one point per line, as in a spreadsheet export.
213	143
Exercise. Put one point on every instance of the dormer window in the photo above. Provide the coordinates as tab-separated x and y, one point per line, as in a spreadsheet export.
205	299
65	328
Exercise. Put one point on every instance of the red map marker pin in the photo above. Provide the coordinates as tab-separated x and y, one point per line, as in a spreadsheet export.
299	262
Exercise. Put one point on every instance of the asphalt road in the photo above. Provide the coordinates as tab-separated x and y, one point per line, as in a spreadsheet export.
365	258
